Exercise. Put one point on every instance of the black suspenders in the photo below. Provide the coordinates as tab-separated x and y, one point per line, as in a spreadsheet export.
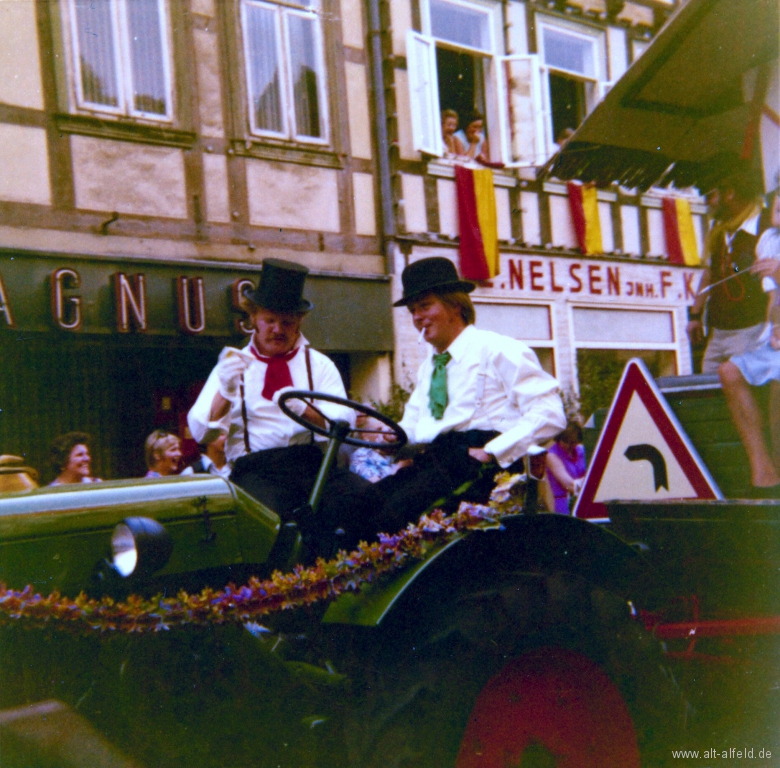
244	416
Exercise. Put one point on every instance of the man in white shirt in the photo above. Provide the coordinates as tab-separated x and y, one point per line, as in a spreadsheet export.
480	401
212	460
272	457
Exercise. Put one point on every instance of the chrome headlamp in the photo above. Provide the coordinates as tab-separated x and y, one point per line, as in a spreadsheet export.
140	546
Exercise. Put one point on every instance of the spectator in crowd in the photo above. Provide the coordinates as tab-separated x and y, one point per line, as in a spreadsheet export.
70	459
736	308
758	366
566	467
212	460
453	146
274	458
474	140
481	399
163	454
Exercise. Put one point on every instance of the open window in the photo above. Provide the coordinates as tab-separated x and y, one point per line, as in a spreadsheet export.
454	66
573	62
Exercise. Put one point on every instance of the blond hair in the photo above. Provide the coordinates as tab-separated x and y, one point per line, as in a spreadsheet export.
156	444
462	301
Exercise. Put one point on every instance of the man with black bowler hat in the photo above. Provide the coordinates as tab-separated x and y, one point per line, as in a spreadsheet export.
480	401
273	458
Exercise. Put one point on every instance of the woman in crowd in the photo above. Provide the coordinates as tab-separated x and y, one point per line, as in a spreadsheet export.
70	459
566	466
474	140
453	146
163	454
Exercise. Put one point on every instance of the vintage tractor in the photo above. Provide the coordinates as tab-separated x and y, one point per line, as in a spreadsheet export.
513	644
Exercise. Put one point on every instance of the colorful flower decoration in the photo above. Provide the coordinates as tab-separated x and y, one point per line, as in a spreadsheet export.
282	591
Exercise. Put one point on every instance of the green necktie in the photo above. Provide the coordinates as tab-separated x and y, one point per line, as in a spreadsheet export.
437	396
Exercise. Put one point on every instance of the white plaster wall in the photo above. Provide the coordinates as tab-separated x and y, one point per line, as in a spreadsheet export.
357	110
655	231
699	223
413	191
352	23
20	71
215	182
518	29
371	377
400	22
203	7
24	165
617	51
447	195
629	220
503	213
563	233
129	178
636	14
292	196
599	6
365	206
404	115
529	215
209	83
607	233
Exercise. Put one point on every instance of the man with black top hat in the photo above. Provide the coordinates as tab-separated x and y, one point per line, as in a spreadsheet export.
480	401
272	457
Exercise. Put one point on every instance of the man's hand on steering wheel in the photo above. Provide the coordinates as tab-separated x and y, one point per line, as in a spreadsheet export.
301	407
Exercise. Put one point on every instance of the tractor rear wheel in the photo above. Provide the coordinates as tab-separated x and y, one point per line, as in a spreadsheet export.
536	672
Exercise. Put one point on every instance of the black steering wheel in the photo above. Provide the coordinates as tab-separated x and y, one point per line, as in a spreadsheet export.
399	435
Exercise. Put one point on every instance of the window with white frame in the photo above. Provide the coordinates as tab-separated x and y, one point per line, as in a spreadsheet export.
453	65
528	100
285	70
573	60
121	57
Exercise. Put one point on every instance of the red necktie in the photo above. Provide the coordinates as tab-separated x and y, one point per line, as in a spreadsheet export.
277	375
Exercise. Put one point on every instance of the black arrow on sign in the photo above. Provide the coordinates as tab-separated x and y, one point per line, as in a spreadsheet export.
645	452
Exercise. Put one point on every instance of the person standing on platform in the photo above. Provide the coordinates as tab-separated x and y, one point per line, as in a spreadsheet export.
736	307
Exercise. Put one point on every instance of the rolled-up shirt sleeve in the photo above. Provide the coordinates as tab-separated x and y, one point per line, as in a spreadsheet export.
202	427
535	400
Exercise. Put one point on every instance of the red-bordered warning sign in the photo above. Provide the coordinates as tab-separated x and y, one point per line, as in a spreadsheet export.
643	452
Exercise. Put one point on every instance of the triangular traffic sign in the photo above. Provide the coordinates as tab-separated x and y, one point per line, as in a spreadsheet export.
643	453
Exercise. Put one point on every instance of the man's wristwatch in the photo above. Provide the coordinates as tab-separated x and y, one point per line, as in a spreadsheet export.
694	316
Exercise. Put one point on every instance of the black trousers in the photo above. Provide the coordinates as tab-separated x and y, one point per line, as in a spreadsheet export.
440	470
350	508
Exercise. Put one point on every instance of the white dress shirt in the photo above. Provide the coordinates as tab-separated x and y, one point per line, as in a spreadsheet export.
268	426
210	467
519	399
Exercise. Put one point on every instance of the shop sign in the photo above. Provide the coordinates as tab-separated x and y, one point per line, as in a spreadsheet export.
554	278
75	294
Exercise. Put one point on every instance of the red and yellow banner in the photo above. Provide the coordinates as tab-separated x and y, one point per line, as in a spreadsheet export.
478	222
584	205
678	229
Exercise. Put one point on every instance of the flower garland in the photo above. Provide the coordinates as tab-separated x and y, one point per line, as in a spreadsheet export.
282	591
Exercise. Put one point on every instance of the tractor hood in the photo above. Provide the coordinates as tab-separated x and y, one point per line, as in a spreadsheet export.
52	538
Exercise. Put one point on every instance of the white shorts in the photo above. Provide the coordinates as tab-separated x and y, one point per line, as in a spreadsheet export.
723	345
